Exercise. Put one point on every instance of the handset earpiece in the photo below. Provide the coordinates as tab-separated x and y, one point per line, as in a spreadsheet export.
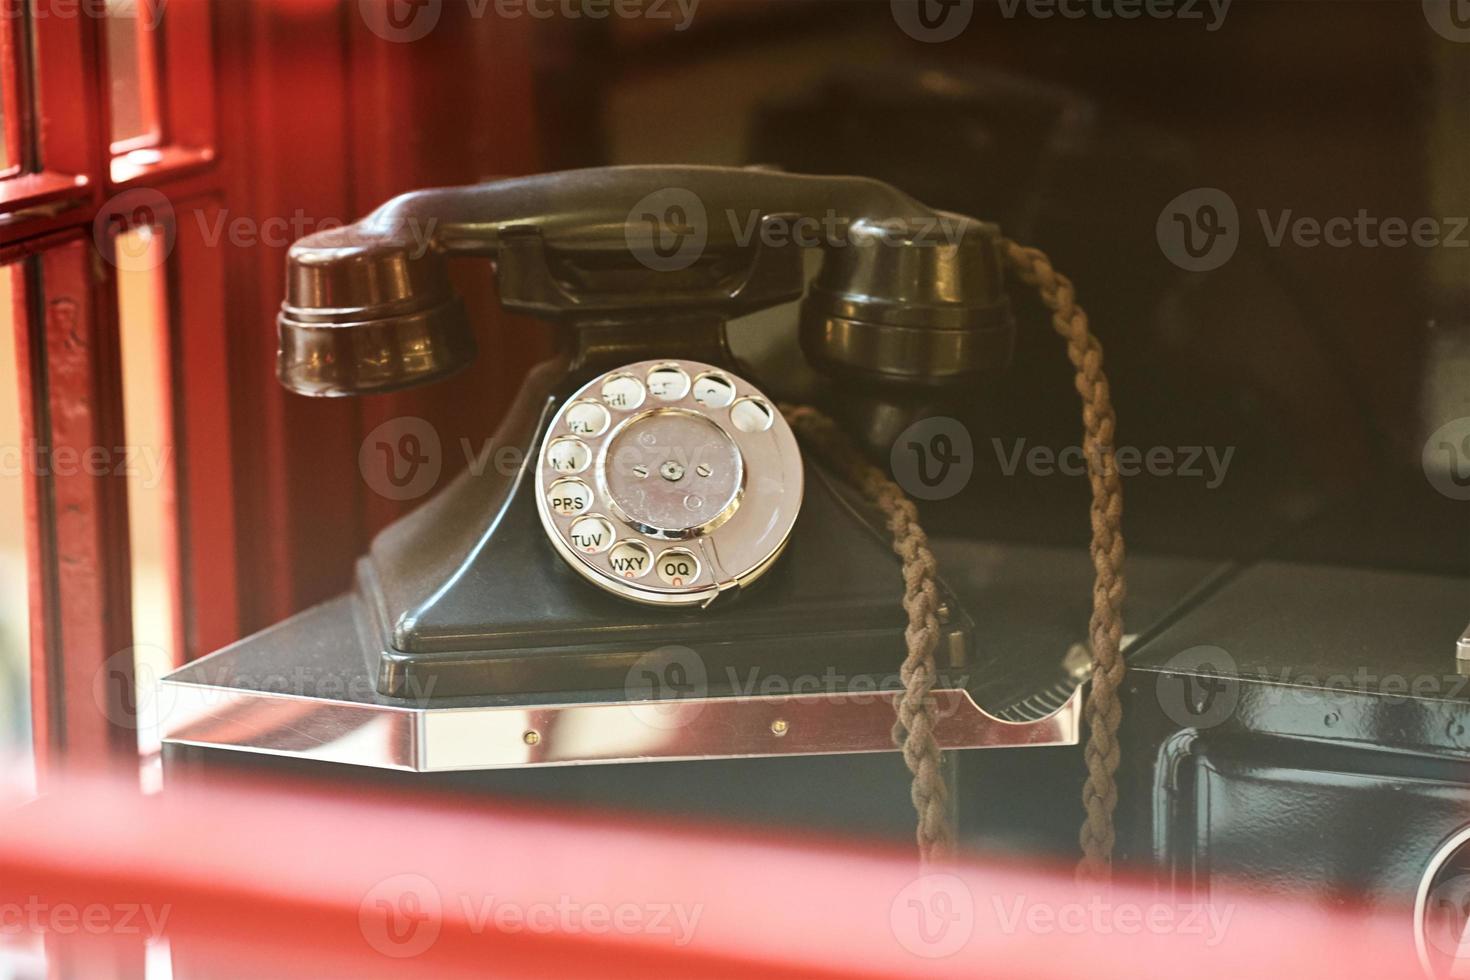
914	301
364	315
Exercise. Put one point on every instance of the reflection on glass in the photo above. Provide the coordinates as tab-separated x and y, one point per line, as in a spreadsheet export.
147	421
130	63
15	699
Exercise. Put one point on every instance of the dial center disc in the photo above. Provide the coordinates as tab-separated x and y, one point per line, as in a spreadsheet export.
673	471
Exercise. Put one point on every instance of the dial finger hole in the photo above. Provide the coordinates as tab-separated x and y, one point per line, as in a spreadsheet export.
569	498
623	392
752	415
714	390
593	535
677	567
587	418
630	559
568	455
668	382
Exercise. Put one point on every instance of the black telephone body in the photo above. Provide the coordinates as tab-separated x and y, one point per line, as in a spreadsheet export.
664	503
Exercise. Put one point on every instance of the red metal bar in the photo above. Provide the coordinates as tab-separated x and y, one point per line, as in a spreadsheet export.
13	83
285	157
420	88
76	675
201	377
305	511
186	70
58	107
146	52
177	52
71	115
149	70
293	879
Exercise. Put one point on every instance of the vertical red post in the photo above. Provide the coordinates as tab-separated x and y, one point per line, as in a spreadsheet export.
82	673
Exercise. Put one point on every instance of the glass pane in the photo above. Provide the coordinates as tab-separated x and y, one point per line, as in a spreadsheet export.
148	423
15	656
132	65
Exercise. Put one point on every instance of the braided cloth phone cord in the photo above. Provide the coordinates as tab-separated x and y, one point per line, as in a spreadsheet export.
914	731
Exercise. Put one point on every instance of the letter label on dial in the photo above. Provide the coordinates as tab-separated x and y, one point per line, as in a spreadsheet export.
630	559
568	455
587	418
593	535
677	567
623	392
568	498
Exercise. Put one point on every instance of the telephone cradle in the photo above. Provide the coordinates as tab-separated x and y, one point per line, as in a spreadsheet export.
663	574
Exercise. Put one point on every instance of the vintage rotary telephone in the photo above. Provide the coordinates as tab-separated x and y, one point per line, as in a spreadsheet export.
664	508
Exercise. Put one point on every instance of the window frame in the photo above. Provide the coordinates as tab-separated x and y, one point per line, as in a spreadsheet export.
55	219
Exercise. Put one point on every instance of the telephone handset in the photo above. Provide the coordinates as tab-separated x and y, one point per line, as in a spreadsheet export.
665	476
668	482
906	295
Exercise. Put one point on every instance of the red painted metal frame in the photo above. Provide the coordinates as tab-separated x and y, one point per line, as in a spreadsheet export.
13	72
335	156
80	612
183	50
179	53
421	88
77	682
81	623
68	117
187	72
284	155
277	111
210	585
147	56
297	879
64	166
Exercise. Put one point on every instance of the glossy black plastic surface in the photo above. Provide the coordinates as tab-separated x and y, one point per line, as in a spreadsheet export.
520	621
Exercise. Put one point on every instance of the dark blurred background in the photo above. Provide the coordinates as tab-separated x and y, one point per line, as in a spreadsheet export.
1325	368
1324	374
